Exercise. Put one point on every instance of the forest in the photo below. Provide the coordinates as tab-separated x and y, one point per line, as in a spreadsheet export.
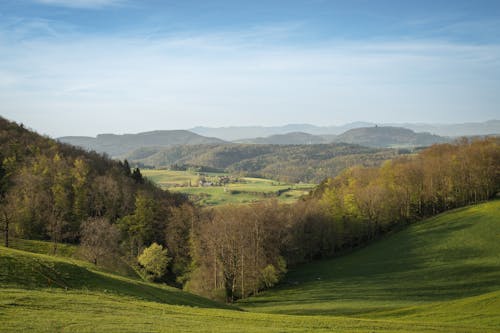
286	163
53	191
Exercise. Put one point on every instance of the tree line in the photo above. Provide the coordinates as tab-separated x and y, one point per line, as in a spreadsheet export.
52	191
239	250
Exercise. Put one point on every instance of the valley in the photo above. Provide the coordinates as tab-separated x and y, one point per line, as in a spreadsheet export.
249	166
206	188
389	286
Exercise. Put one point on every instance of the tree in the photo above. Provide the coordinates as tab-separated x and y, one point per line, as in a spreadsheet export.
139	227
137	176
270	276
178	237
80	173
99	239
154	259
61	200
7	211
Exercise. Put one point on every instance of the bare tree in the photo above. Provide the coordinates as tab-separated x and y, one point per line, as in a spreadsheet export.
99	239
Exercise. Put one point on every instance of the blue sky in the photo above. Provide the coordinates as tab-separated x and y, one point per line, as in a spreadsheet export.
82	67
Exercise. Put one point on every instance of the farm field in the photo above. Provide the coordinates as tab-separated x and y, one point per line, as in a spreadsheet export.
422	279
246	190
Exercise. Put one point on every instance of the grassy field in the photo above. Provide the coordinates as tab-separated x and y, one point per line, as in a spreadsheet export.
245	191
445	269
59	311
440	275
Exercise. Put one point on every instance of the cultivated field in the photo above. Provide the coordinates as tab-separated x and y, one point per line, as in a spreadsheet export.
245	190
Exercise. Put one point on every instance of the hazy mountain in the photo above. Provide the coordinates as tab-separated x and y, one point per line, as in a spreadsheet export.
456	130
116	145
246	132
293	138
386	136
119	145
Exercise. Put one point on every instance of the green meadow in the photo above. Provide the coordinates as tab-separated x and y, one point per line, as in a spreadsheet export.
438	275
246	190
444	269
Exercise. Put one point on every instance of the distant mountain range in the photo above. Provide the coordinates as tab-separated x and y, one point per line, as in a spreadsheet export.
247	132
293	156
117	145
293	138
378	136
354	133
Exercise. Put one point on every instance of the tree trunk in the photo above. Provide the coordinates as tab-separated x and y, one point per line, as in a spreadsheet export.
6	231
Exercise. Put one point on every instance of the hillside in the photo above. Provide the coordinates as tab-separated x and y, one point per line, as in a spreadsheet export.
26	270
116	145
288	163
445	269
386	136
293	138
422	279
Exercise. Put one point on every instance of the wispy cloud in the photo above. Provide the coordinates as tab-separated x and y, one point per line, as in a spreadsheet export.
244	77
87	4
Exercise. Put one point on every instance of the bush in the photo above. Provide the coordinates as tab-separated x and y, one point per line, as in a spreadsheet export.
154	260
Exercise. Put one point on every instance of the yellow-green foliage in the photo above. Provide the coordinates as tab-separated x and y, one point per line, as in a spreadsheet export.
154	259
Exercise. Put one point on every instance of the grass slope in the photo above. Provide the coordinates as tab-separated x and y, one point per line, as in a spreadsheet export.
445	269
25	270
441	275
59	311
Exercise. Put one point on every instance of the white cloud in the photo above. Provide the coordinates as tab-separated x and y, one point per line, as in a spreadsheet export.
123	84
89	4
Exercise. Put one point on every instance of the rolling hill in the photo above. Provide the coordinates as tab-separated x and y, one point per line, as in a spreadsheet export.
288	163
439	275
294	134
293	138
386	136
27	270
116	145
442	270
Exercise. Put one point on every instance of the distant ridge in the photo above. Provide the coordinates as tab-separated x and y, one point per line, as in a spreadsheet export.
293	138
387	136
116	145
292	134
246	132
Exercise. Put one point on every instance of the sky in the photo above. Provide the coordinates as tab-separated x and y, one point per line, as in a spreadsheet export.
83	67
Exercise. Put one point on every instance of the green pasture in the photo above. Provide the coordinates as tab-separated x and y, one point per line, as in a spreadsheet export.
445	269
439	275
247	190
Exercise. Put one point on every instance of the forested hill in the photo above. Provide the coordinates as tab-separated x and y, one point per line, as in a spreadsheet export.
293	138
53	191
48	190
386	136
289	163
116	145
374	136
